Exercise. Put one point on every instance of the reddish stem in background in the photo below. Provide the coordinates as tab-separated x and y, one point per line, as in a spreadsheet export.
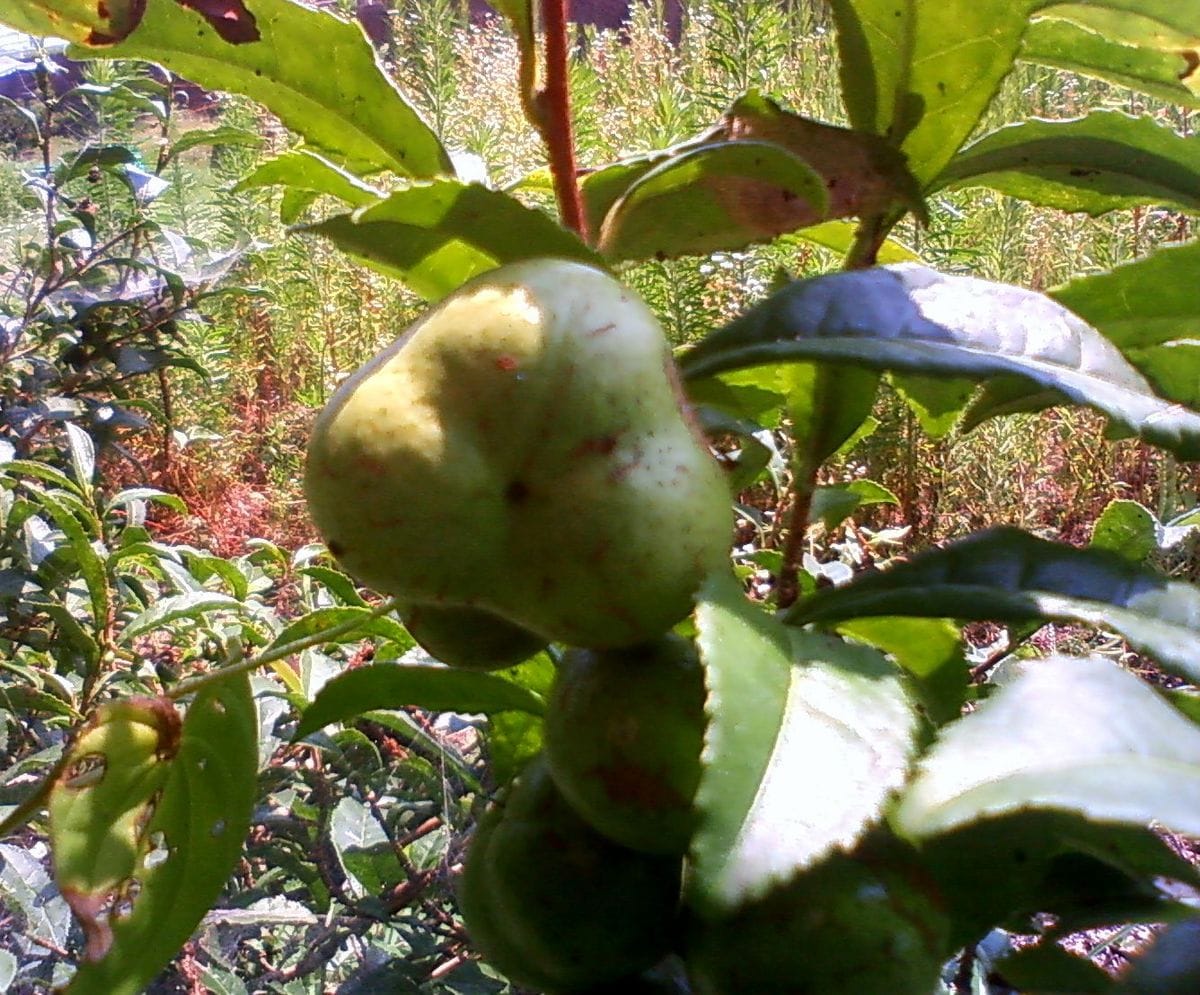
553	104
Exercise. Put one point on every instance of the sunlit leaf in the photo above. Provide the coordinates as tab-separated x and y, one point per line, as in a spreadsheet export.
1099	163
914	319
193	605
1169	74
178	808
390	685
1066	734
436	236
265	49
304	170
1128	529
720	196
1007	575
766	808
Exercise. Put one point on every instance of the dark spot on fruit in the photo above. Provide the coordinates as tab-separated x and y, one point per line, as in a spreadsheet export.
1020	856
660	255
601	445
336	549
506	364
602	329
517	492
1079	171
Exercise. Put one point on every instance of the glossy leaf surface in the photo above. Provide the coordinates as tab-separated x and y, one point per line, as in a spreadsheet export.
1066	734
1099	163
436	236
1008	575
437	689
766	809
185	828
914	319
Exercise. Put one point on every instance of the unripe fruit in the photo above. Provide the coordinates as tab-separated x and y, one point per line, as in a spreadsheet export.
522	449
842	926
623	734
554	905
469	638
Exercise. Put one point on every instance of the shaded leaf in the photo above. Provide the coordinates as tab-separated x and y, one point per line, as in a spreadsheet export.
1170	967
514	738
911	318
1047	969
767	810
355	112
223	135
1102	162
838	236
438	689
1007	575
1066	734
719	196
190	844
436	236
1087	873
833	504
936	401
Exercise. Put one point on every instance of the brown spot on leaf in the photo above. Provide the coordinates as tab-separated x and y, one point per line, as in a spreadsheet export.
1191	59
229	18
92	911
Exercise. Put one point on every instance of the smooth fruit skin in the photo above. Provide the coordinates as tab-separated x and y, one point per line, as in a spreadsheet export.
554	905
469	638
623	733
842	926
522	449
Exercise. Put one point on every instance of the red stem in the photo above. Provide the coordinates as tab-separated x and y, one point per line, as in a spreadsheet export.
554	118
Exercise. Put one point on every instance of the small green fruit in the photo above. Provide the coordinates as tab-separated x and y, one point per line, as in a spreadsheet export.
470	638
554	905
623	734
842	926
522	450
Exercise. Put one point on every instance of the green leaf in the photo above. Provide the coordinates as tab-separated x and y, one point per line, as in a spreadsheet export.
767	810
1094	164
1066	734
74	20
914	319
1047	969
1147	309
132	494
1128	529
922	74
224	135
91	566
83	456
188	849
392	685
718	197
514	738
319	620
1007	575
833	504
838	236
436	236
1170	74
1170	967
193	605
1086	873
266	51
937	402
931	653
304	170
18	468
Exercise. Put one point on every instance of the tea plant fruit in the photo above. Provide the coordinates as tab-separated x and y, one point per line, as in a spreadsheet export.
624	732
522	449
556	906
469	638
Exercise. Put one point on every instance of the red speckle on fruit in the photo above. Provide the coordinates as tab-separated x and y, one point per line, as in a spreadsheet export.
506	364
602	330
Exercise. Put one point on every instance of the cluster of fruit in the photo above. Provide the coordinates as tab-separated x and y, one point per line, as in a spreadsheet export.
520	470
